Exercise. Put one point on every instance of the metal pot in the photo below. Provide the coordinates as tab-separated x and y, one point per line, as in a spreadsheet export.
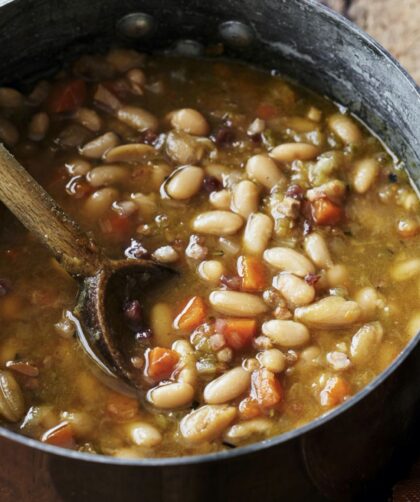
345	455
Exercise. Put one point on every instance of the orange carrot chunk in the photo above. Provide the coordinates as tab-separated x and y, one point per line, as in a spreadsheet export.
249	408
67	97
253	273
192	314
238	332
325	212
160	363
335	391
265	388
60	435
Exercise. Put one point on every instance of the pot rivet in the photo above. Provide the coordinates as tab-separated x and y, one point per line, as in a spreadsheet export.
236	34
136	25
189	48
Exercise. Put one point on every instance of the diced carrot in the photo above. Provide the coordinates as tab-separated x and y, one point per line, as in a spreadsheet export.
160	363
191	315
253	273
265	388
67	96
334	392
249	408
266	111
60	435
325	212
121	408
238	332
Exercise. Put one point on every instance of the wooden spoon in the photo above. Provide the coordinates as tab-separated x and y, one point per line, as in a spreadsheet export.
105	284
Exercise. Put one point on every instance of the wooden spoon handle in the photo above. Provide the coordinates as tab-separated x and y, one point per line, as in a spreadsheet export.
40	214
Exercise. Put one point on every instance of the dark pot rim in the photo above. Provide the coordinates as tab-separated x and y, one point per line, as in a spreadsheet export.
325	12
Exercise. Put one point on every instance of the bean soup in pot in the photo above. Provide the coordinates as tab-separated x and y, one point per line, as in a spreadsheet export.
295	233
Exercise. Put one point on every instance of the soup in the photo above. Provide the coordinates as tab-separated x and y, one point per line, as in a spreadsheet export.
294	232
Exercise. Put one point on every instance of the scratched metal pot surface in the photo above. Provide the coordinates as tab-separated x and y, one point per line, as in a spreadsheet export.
354	453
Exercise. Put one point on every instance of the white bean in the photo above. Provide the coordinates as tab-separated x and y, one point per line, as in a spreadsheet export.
365	342
220	199
100	201
309	356
345	128
103	176
166	254
329	313
82	423
89	119
132	152
105	97
365	174
183	148
38	126
187	362
245	196
257	126
227	387
124	59
143	434
10	98
368	300
317	250
288	152
294	289
211	270
338	276
286	333
146	203
207	423
300	124
272	359
137	118
78	167
264	171
289	260
257	234
237	303
8	132
184	182
314	114
218	171
171	395
190	121
405	270
413	326
137	79
244	430
96	148
229	246
161	318
217	223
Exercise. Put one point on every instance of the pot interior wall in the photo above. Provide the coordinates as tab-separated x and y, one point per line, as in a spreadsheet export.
296	37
